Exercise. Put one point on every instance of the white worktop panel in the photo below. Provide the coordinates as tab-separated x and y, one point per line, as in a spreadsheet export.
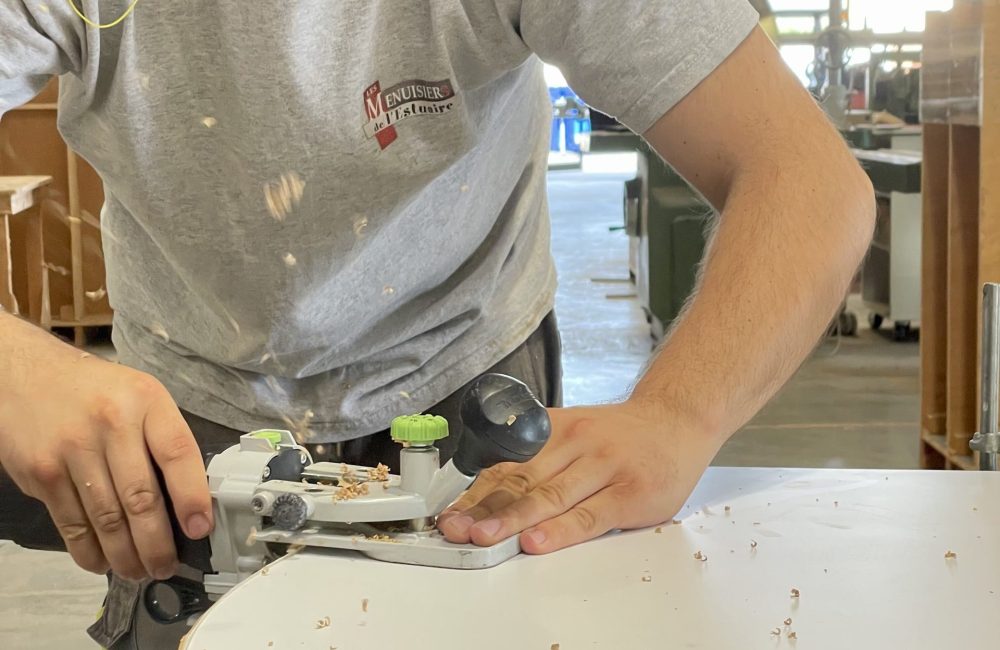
871	571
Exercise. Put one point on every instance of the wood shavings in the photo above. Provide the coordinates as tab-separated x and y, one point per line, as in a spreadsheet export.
265	358
289	260
89	484
378	473
776	631
729	509
323	623
659	529
294	548
792	636
647	578
84	355
283	195
208	121
364	605
464	189
511	420
360	226
233	324
270	644
350	490
676	521
96	295
555	646
144	81
44	8
795	593
61	270
252	537
382	538
788	621
158	330
753	544
264	571
950	555
299	428
700	557
387	290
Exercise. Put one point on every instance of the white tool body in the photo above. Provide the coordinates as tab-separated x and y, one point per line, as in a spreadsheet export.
268	494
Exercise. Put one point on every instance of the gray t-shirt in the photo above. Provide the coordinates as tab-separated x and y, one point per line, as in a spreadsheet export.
335	210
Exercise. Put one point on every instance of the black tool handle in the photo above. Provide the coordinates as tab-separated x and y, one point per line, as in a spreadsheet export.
502	421
196	553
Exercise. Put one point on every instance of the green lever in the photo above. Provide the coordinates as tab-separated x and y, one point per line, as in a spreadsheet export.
272	436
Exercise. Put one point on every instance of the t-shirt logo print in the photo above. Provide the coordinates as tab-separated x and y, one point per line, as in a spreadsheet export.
386	108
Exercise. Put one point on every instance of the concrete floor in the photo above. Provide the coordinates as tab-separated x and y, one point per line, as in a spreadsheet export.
852	406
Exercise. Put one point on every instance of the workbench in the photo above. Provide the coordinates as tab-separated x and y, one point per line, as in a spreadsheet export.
20	198
856	559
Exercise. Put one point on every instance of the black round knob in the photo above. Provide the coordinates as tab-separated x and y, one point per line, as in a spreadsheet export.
289	512
173	600
501	422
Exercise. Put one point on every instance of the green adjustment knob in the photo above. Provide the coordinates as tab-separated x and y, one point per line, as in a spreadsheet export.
272	436
419	429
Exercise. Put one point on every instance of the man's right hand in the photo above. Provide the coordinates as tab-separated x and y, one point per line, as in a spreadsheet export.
77	433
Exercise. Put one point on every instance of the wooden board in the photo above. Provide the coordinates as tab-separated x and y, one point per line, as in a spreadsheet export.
30	144
8	301
17	193
963	274
934	283
865	549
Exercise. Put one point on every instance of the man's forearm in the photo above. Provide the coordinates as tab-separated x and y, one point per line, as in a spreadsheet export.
777	269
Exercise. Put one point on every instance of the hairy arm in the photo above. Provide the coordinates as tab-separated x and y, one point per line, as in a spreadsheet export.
797	214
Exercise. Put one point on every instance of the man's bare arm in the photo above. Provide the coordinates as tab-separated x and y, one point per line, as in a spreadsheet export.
797	214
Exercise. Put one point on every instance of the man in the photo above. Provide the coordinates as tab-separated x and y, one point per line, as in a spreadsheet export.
334	212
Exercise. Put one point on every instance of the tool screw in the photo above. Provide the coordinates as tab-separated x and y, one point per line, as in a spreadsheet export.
257	504
267	472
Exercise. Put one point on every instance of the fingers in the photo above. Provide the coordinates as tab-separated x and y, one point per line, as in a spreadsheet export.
495	488
519	478
497	520
140	499
175	451
584	521
96	492
51	484
487	481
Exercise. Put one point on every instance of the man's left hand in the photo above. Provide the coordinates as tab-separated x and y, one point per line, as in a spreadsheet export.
604	468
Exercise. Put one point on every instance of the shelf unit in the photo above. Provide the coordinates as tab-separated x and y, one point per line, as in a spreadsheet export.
960	109
30	144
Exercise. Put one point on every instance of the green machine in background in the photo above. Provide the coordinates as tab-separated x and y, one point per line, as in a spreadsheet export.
667	223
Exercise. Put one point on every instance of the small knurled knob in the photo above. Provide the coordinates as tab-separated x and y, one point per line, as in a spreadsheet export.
290	512
419	429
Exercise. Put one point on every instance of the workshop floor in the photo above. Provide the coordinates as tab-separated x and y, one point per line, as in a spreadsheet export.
852	406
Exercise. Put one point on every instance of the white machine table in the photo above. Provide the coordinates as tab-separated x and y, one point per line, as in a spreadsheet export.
856	559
